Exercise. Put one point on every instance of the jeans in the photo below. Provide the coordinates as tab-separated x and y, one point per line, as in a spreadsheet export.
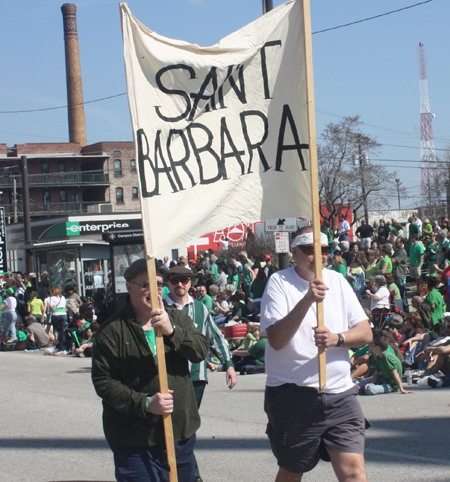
9	325
380	387
149	464
219	320
402	289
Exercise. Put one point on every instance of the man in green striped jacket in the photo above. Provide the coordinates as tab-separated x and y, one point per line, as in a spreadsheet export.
179	281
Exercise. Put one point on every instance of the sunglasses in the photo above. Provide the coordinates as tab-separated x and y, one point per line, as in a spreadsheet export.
184	280
309	250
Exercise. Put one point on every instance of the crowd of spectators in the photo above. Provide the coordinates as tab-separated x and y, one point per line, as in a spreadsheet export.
411	341
409	338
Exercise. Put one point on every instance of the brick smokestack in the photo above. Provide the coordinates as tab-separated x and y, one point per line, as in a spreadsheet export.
77	122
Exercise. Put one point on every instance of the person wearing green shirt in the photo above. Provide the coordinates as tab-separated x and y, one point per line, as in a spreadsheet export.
416	255
413	228
204	297
384	266
388	372
431	252
427	229
255	355
435	300
339	265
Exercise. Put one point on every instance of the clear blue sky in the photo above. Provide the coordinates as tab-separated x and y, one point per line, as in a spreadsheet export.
370	68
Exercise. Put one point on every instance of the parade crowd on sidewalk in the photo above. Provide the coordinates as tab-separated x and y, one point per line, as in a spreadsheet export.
411	333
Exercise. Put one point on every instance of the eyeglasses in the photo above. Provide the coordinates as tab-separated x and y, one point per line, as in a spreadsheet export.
309	250
184	280
146	286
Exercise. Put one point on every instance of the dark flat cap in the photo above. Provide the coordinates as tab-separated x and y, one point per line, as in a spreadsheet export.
178	271
370	278
135	268
161	267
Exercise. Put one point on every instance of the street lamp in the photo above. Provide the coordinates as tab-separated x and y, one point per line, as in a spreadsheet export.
398	192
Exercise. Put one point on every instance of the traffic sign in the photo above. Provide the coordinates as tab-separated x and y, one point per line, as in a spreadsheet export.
281	224
282	242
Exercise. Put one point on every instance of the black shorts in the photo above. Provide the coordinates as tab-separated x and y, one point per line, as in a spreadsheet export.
304	423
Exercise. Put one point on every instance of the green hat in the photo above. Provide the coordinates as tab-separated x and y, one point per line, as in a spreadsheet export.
10	291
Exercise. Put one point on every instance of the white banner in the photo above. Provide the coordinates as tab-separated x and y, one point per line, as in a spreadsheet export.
221	132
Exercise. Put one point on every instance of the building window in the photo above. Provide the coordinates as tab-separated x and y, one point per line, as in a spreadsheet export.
134	193
117	167
46	196
119	195
116	153
62	196
133	165
61	166
44	168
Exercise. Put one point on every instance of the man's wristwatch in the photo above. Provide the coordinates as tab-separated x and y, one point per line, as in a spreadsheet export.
341	339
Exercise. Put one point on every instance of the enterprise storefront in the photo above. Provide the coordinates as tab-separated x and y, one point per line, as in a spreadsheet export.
70	249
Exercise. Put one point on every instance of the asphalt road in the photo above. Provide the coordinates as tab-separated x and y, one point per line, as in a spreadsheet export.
51	429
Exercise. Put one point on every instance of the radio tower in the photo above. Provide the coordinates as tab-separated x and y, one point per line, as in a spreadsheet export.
430	190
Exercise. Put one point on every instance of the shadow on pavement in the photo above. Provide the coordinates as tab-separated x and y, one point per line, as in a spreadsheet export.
59	443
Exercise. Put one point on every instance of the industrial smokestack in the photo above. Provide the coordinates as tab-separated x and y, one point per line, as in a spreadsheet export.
77	122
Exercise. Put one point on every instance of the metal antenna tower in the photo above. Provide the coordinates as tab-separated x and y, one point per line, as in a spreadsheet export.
430	191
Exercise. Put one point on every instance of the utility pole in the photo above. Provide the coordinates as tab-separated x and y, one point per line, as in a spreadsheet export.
26	211
283	258
398	192
14	199
267	6
362	159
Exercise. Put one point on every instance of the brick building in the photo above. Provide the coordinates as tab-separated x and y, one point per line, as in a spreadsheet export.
65	178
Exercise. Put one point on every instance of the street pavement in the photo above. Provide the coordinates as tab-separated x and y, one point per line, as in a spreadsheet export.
51	428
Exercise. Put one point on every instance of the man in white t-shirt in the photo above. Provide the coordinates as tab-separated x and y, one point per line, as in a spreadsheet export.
343	229
303	424
417	221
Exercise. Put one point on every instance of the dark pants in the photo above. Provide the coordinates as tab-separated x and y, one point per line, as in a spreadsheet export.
243	361
149	464
402	289
199	390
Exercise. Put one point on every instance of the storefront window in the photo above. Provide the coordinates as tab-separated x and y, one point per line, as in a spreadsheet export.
61	268
94	276
124	256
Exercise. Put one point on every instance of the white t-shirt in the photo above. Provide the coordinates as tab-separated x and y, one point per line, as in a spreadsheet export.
11	304
343	226
383	302
418	222
57	303
298	362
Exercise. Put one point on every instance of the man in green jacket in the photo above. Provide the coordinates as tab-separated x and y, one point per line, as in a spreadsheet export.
125	376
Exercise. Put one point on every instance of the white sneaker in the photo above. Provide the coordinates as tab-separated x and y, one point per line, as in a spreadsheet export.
423	382
62	352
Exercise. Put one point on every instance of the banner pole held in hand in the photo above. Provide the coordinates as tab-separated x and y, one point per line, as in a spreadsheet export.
315	200
162	370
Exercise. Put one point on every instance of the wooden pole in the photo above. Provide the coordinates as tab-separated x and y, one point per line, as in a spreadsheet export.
315	201
160	352
162	371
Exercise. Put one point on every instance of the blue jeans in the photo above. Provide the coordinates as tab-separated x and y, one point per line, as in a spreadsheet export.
149	464
9	325
402	289
380	387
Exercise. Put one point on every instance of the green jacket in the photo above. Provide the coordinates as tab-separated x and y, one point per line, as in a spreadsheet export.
124	374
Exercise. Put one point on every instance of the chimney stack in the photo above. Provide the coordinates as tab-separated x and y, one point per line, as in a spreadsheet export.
77	122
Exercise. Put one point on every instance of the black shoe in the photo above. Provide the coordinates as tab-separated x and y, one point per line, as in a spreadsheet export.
432	382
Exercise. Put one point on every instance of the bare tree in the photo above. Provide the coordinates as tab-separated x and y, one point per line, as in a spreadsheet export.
346	176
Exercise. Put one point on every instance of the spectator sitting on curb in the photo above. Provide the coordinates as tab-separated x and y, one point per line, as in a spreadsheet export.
388	371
